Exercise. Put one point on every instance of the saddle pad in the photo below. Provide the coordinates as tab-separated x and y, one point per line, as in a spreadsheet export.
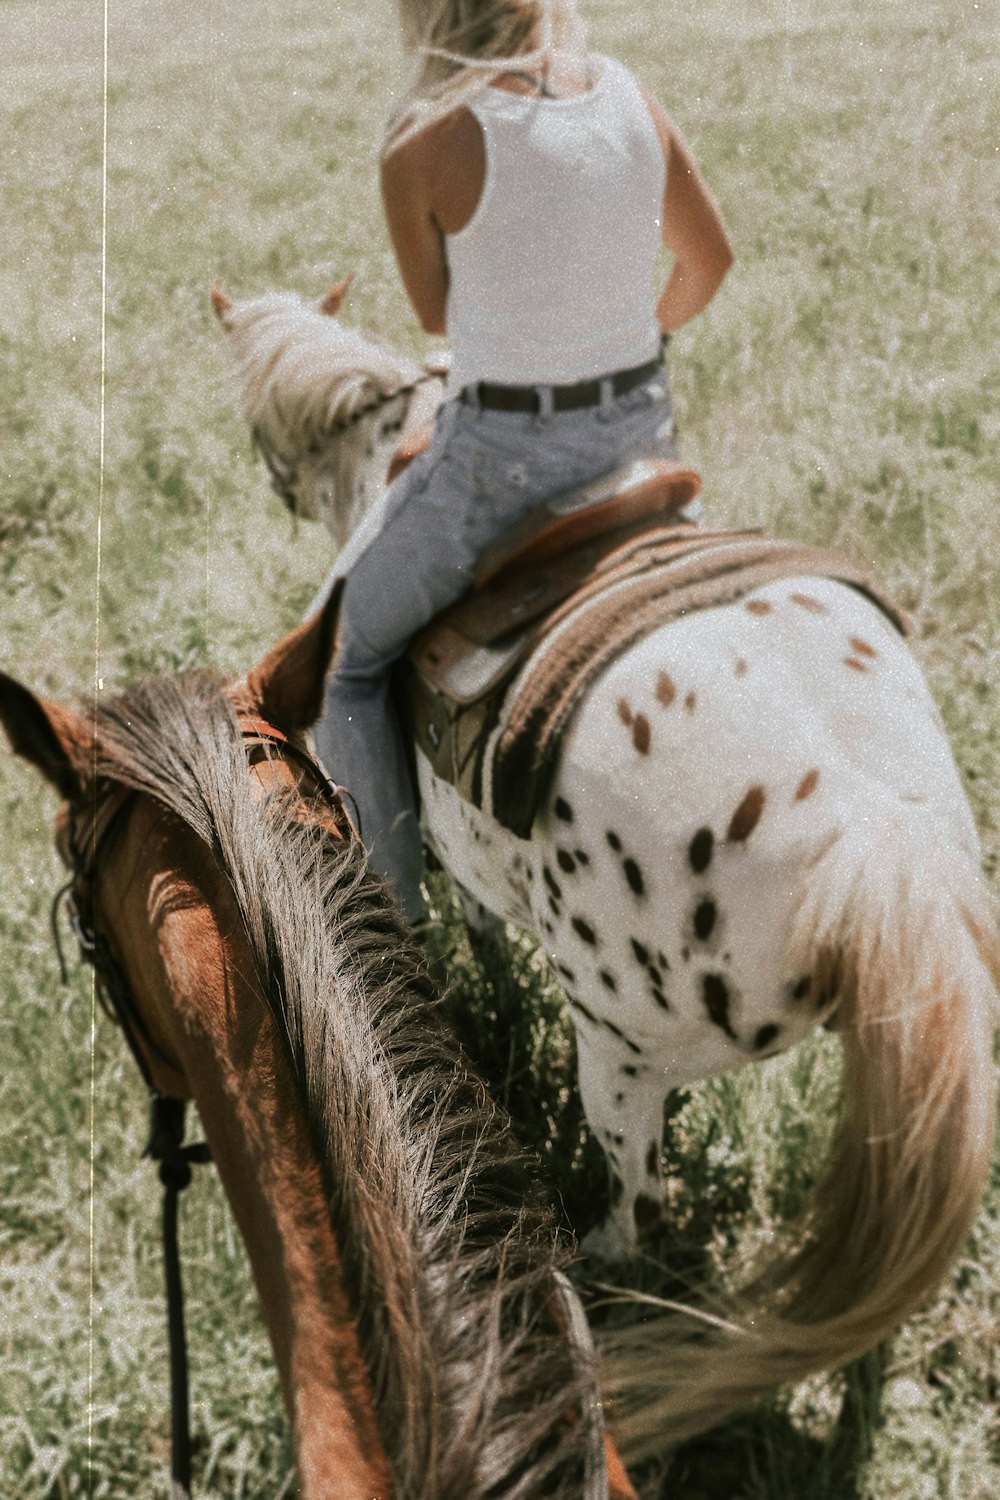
481	639
647	581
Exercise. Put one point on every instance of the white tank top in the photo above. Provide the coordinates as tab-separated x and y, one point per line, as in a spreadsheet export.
551	281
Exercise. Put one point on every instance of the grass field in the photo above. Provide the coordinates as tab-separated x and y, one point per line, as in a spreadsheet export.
844	388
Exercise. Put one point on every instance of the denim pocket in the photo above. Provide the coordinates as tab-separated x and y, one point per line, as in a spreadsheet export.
652	395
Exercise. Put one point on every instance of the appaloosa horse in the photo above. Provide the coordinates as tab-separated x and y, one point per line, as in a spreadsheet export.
755	822
428	1346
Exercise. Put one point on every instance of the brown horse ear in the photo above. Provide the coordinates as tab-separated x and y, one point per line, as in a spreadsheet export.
54	739
221	304
286	688
331	303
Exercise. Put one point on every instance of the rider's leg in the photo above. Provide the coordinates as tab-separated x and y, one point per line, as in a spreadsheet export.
482	473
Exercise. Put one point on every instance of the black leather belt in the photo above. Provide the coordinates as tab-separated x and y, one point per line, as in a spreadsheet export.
564	397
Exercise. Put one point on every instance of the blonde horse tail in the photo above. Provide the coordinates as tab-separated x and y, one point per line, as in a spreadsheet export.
897	921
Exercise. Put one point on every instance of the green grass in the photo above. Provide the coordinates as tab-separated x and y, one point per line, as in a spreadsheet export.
844	388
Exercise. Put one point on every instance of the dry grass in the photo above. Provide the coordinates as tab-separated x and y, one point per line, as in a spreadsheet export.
844	387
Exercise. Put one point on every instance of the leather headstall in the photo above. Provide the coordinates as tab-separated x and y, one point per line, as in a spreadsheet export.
89	828
263	741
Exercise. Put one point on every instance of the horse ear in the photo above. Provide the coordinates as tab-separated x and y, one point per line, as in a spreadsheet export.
221	304
331	303
286	688
54	739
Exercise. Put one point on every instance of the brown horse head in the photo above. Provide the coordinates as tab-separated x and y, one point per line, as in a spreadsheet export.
404	1259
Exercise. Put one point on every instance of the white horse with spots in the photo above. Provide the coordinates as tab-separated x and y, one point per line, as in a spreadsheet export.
755	821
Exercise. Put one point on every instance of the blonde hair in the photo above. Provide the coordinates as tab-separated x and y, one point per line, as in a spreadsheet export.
462	45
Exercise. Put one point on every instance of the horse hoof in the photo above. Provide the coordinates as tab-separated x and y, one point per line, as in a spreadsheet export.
607	1243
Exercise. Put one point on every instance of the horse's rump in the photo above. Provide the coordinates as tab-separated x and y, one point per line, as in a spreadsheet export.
556	626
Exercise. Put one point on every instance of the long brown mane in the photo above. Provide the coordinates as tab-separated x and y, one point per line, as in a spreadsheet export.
448	1251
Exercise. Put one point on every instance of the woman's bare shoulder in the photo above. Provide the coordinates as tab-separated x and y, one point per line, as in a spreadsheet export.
448	159
438	143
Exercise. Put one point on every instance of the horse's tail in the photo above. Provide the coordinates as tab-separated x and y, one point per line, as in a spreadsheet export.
904	926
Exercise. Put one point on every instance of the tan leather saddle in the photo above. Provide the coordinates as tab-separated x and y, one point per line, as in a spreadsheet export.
537	565
460	664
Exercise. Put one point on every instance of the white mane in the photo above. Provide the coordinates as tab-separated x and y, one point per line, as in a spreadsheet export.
303	372
304	376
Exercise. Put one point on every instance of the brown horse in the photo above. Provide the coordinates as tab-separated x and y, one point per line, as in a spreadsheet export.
408	1270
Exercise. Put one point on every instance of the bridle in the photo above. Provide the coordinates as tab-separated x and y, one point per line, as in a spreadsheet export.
284	471
165	1146
88	832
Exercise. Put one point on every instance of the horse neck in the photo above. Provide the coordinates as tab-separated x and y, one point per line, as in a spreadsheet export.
186	960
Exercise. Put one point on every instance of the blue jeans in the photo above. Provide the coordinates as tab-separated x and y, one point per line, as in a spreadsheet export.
483	471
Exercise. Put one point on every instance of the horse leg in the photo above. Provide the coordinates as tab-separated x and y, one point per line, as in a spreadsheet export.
623	1102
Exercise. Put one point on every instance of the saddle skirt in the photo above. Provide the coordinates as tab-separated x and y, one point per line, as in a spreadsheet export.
554	603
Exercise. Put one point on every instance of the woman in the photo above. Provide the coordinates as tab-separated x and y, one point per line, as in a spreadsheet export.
527	186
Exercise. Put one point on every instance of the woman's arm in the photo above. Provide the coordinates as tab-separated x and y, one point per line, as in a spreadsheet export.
693	230
417	238
430	188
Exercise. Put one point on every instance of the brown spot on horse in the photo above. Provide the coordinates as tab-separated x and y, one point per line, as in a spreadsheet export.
584	931
704	919
715	995
806	601
766	1036
700	850
666	692
648	1213
639	725
747	816
807	785
641	734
